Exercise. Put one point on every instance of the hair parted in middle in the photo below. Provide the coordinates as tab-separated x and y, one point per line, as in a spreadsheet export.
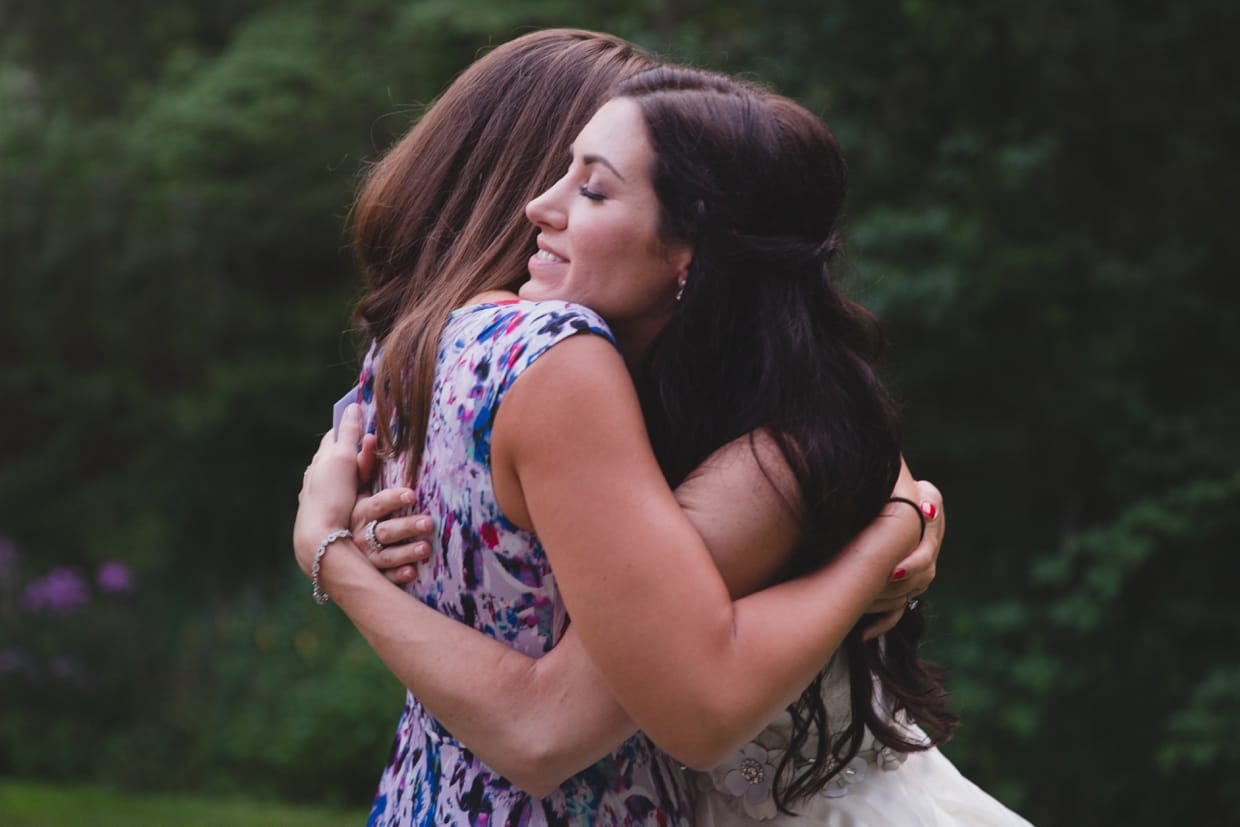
763	340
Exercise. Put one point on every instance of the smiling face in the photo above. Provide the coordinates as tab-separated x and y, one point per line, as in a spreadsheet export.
598	241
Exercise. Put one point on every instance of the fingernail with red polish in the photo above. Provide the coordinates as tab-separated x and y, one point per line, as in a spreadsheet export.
898	574
929	510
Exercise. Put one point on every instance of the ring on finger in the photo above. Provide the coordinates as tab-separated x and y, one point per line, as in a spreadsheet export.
371	540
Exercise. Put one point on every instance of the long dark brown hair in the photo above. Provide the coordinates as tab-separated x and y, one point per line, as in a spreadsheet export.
764	339
441	217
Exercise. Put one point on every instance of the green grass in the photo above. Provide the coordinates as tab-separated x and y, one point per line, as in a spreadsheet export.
25	804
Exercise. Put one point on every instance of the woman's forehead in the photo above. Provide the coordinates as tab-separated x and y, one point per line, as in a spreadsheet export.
616	138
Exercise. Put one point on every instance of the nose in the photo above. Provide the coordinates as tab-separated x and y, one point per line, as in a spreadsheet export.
547	210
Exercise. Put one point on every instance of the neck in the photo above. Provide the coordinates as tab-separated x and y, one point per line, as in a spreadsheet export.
634	357
635	340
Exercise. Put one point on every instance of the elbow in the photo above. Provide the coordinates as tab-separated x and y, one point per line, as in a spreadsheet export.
701	756
704	736
536	768
539	778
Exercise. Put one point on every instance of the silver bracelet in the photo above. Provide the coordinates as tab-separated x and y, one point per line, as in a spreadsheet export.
320	596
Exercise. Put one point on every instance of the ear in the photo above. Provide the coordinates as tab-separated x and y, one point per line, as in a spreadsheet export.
680	256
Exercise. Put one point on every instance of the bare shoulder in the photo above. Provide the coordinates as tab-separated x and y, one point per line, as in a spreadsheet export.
579	370
754	466
570	417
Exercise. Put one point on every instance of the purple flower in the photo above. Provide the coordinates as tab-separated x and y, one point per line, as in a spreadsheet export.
62	591
114	577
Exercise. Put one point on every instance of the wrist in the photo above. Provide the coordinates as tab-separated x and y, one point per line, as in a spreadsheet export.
329	539
891	537
306	538
921	517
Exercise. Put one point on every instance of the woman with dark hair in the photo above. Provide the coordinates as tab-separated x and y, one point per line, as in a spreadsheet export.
526	448
761	341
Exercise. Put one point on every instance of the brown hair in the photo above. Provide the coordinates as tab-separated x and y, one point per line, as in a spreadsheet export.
441	217
763	338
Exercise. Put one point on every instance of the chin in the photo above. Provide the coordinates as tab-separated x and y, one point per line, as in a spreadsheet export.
535	291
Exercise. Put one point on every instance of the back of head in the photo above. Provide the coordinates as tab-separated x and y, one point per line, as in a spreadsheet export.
756	184
734	159
441	217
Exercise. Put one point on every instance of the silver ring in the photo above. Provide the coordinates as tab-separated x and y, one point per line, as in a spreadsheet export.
911	602
371	539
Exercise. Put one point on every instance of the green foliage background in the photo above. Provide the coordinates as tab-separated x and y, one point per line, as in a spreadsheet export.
1040	213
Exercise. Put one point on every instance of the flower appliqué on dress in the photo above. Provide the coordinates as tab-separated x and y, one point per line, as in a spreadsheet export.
747	778
852	773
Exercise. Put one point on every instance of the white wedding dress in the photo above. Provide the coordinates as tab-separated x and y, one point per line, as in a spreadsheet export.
878	788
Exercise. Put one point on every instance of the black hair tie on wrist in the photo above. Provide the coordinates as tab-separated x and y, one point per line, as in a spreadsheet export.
921	518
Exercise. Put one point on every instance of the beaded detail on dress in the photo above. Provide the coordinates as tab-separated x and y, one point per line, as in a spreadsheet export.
746	780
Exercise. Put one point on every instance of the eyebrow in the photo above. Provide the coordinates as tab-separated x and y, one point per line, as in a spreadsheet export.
599	159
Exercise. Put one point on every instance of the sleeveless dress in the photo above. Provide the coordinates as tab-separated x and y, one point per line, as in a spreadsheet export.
878	788
486	572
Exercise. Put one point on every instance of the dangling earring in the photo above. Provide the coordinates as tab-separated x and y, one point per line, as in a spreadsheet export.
680	291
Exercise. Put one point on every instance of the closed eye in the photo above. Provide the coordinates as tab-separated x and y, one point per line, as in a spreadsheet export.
591	194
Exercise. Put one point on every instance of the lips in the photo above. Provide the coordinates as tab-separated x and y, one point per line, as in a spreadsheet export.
547	254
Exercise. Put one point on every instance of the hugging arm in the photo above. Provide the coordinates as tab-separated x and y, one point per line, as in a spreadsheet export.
697	672
539	721
440	659
564	717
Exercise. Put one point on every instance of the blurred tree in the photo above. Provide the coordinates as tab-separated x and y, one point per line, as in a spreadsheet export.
91	58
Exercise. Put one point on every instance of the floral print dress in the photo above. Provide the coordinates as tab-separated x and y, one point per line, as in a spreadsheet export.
488	573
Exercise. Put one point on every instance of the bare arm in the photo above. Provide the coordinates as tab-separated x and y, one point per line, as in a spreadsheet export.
566	718
697	672
539	721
